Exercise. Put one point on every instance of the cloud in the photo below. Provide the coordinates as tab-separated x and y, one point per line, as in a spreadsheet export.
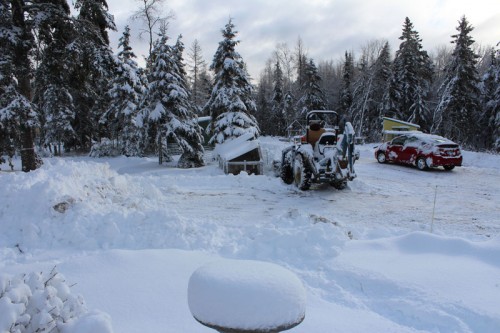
327	27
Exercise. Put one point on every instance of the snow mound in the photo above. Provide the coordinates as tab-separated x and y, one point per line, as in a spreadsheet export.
246	295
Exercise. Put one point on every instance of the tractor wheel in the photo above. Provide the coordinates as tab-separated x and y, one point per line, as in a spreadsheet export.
301	173
286	172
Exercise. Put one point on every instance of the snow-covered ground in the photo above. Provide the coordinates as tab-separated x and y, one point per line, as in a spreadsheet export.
127	235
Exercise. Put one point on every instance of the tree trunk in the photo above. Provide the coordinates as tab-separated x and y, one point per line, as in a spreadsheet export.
23	72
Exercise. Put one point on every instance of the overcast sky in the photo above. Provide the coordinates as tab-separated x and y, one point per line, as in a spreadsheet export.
327	27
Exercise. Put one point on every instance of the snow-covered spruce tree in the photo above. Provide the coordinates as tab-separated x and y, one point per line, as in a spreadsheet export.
412	70
166	110
16	109
491	104
345	101
188	135
459	105
263	101
368	91
9	117
125	94
94	66
313	97
231	105
52	86
278	116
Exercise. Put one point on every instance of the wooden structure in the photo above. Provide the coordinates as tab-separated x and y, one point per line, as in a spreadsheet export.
394	127
240	154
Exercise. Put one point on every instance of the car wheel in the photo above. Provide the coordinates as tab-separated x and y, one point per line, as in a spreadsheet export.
422	164
449	167
301	173
381	157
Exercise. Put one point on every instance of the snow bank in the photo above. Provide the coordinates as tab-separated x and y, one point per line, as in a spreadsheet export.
246	295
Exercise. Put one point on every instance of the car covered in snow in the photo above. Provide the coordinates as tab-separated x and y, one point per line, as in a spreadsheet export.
422	150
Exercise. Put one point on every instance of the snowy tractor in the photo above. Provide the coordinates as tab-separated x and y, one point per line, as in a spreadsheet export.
322	155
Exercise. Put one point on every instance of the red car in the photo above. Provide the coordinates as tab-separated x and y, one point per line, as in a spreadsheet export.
423	150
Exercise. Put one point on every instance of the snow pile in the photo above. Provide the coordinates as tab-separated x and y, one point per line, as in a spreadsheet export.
43	303
246	295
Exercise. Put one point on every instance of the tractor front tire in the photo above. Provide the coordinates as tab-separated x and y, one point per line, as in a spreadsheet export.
301	173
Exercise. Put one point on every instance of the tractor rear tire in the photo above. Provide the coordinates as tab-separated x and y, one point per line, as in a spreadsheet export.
286	172
301	173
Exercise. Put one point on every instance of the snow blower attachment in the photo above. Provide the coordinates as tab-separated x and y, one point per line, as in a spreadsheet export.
322	155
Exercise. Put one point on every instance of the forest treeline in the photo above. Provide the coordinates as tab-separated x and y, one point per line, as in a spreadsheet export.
62	89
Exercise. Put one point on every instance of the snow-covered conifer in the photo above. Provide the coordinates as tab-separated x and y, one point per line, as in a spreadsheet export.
368	91
166	110
125	94
231	104
16	109
412	70
96	12
52	86
460	96
491	103
278	116
313	97
345	101
93	67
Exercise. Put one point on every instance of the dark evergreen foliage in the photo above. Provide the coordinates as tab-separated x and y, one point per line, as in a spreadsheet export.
368	94
52	87
460	96
278	115
407	93
18	40
93	66
490	121
346	98
313	97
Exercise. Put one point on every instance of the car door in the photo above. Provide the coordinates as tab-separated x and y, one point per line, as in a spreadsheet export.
409	150
395	149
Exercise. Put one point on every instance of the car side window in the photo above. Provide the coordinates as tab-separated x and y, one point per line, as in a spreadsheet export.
412	141
399	141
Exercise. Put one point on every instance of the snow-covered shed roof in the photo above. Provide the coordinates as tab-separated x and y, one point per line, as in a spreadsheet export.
233	148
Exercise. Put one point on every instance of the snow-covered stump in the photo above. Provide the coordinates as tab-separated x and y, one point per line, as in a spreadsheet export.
243	296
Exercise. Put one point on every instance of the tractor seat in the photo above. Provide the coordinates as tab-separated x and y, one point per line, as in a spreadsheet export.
314	132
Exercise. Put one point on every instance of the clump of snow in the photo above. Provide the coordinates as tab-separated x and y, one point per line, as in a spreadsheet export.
37	302
247	295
